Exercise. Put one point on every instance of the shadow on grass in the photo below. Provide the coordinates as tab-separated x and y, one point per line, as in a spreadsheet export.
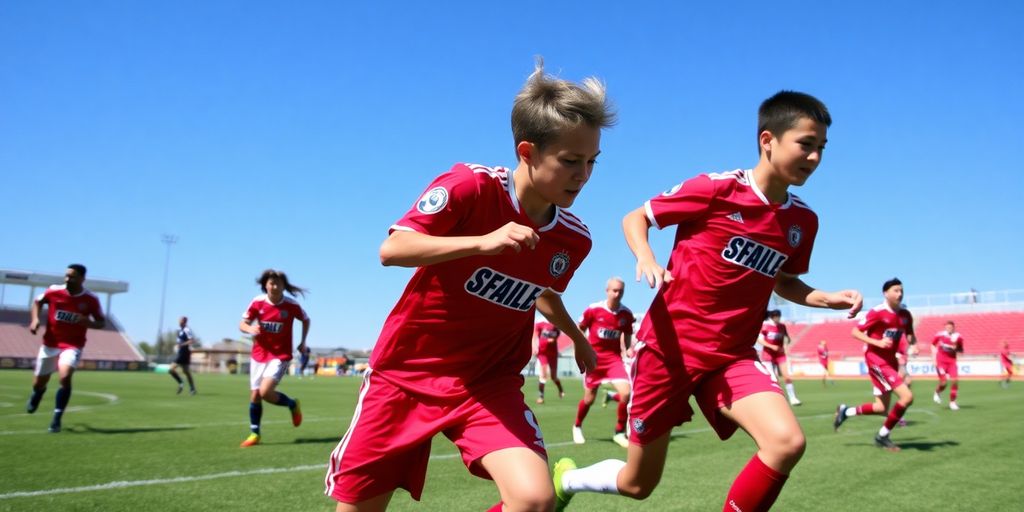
925	446
87	429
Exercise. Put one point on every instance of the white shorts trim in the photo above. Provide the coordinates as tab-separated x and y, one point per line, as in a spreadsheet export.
50	358
273	369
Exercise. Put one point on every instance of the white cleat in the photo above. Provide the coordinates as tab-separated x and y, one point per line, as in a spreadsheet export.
794	401
621	439
936	398
577	435
953	406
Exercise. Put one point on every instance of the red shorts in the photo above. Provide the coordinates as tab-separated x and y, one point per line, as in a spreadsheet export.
609	369
946	366
662	391
387	445
549	358
884	378
824	363
776	359
1008	367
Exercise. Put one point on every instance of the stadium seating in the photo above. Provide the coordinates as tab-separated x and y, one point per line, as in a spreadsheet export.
107	344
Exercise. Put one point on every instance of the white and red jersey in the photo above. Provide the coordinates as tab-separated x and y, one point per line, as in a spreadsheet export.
1006	357
774	333
63	329
730	245
822	353
275	338
605	328
547	337
882	322
469	320
948	345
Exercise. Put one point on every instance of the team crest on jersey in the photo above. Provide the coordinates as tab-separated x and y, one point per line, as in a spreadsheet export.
639	426
795	235
284	315
559	264
672	190
82	306
433	201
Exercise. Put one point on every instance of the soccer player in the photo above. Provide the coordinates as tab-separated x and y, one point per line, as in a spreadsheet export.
269	320
303	361
823	360
946	344
774	338
72	310
1006	358
545	347
493	246
609	325
183	359
882	330
741	234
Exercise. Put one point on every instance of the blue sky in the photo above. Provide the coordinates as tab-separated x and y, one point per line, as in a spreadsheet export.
291	135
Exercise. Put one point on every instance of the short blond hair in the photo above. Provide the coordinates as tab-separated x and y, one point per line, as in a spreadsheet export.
547	106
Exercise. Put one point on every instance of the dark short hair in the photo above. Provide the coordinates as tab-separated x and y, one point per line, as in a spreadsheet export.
950	322
890	283
783	110
78	267
270	273
773	312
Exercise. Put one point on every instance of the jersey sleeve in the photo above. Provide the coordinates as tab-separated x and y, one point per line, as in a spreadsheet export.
447	201
586	319
95	309
301	313
252	312
869	319
910	323
687	201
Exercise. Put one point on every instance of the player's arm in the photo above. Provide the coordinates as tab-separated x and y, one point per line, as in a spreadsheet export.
305	332
626	345
535	342
406	248
636	226
860	336
550	305
249	326
98	321
37	305
763	340
793	289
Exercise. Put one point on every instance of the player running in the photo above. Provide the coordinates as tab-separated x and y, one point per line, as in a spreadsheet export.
183	356
545	347
775	338
946	345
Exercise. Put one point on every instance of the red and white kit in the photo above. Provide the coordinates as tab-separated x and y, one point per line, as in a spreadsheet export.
1004	357
449	356
275	338
698	335
823	356
774	333
883	366
947	346
63	329
604	331
547	345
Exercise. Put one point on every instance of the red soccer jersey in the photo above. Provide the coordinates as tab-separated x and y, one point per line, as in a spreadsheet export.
776	335
547	337
1005	356
65	311
275	338
730	245
462	322
883	322
605	328
948	345
822	353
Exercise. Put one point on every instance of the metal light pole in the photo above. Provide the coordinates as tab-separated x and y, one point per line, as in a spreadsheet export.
167	240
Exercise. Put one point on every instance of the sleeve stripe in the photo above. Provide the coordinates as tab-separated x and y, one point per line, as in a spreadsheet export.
650	214
582	231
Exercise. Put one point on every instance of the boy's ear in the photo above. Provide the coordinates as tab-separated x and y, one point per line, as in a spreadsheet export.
765	141
525	151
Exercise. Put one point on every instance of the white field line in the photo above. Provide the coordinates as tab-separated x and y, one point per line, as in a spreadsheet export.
263	471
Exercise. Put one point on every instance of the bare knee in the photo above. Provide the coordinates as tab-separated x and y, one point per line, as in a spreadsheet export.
638	489
529	500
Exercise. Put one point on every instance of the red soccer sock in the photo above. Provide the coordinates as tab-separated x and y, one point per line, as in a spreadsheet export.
866	409
952	393
614	396
620	421
894	415
581	412
755	489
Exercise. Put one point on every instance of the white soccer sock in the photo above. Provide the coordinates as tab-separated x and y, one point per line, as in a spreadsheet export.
883	431
600	477
851	412
790	391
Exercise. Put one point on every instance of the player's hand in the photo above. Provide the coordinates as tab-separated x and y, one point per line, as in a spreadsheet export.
630	353
653	273
885	342
844	299
33	327
255	329
586	358
510	236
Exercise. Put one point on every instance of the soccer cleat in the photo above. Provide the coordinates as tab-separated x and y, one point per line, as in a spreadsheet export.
577	435
794	401
180	389
936	398
953	406
562	497
561	394
296	414
540	400
621	439
54	428
840	417
252	440
192	391
607	398
31	406
884	442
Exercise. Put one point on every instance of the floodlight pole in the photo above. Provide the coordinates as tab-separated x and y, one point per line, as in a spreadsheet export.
167	240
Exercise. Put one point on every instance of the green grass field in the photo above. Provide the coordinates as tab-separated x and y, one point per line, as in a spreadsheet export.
131	444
